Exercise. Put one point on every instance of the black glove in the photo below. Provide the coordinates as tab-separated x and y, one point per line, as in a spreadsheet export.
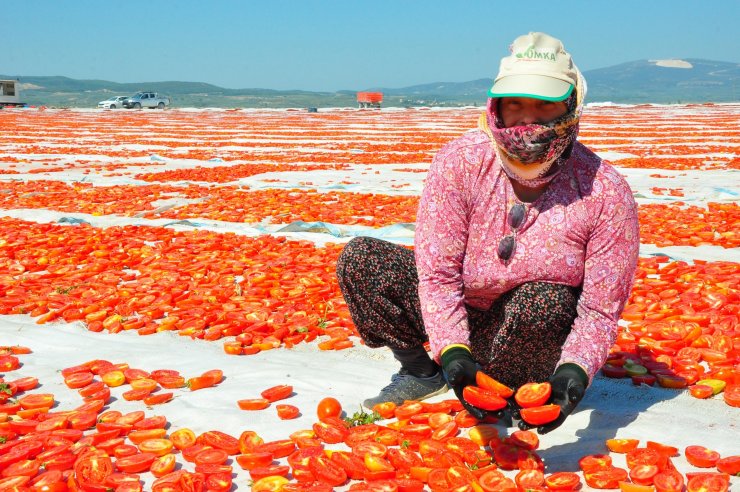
459	369
568	387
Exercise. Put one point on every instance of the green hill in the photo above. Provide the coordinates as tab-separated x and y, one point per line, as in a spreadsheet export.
655	81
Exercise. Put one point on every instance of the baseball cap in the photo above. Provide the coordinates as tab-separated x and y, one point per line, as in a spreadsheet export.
538	67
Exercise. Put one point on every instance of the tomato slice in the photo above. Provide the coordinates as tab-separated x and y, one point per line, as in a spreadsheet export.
276	393
729	465
540	415
708	482
622	445
563	481
485	381
607	478
593	462
253	404
483	398
287	412
701	457
533	394
668	481
327	471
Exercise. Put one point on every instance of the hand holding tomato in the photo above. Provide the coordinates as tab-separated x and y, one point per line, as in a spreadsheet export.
568	388
460	369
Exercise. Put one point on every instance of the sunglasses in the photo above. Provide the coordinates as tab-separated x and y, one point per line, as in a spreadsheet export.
516	217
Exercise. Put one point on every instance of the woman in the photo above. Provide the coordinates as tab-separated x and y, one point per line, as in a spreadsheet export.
525	249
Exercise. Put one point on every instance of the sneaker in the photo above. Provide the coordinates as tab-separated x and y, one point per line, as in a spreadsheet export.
404	387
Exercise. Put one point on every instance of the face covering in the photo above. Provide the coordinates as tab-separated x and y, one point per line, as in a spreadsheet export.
529	152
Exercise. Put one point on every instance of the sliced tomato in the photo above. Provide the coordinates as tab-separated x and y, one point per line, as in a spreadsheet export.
483	398
253	404
276	393
563	481
327	471
287	412
485	381
708	482
540	415
593	462
533	394
729	465
607	478
622	445
701	457
668	481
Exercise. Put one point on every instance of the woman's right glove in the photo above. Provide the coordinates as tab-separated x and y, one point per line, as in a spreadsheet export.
459	369
569	384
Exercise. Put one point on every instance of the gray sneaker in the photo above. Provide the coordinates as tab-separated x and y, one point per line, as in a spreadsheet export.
404	387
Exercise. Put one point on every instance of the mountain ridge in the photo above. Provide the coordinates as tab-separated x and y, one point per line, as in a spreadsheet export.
641	81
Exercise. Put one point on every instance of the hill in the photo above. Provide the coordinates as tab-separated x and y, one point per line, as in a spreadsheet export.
642	81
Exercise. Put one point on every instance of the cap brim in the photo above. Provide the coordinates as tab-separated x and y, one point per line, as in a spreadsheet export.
534	86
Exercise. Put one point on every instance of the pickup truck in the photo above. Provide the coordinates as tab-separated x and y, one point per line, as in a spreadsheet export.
146	100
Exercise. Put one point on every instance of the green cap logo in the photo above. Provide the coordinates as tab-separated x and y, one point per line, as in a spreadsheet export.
532	53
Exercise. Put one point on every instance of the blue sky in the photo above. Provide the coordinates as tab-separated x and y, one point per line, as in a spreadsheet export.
343	44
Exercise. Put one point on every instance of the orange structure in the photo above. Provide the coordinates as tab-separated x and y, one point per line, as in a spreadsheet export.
369	99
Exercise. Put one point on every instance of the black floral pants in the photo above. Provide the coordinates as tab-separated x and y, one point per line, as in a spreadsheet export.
518	340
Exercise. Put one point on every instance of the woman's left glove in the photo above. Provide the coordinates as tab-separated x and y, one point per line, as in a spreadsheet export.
459	369
569	384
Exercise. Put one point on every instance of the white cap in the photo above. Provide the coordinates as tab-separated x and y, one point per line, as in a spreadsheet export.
538	67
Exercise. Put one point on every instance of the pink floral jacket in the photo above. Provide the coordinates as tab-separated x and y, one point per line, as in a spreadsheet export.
582	231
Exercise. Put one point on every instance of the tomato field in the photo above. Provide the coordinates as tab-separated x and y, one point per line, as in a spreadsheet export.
170	317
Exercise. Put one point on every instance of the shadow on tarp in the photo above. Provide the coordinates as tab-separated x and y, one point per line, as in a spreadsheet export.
402	233
609	405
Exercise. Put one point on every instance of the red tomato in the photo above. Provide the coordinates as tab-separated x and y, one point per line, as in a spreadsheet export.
136	463
524	439
328	407
732	395
613	371
220	440
327	471
93	467
540	415
593	462
287	412
563	481
254	460
276	393
708	482
668	481
701	457
729	465
269	471
483	398
533	394
485	381
253	404
663	449
622	445
607	478
211	456
643	474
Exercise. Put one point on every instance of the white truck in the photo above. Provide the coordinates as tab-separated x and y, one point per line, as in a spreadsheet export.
146	100
10	94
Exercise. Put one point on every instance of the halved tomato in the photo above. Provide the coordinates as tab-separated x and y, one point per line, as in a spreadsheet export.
483	398
540	415
533	394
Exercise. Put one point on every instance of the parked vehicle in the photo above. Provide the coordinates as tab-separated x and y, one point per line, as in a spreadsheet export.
10	94
112	102
146	100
